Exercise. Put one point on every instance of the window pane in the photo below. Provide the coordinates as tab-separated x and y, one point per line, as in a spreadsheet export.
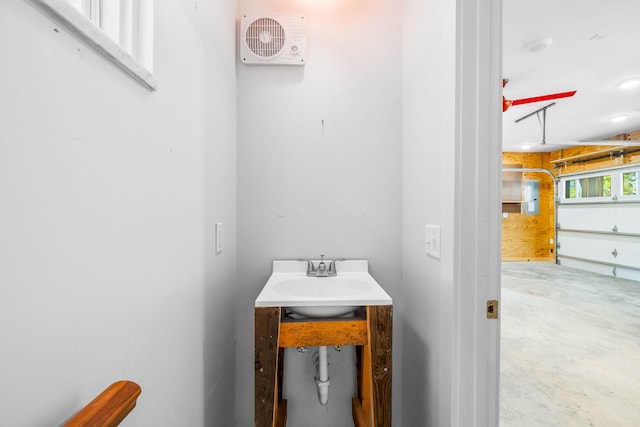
595	186
77	4
630	183
606	186
570	191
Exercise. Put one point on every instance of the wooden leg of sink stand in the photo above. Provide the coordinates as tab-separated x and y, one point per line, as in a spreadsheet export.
362	406
268	369
372	408
380	341
281	410
359	418
281	418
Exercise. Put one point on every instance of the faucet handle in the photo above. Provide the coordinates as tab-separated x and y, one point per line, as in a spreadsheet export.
332	266
311	270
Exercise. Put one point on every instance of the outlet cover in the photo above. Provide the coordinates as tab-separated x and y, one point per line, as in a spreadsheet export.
432	240
219	237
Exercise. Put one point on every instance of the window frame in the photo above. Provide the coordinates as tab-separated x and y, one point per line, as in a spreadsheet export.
72	18
617	183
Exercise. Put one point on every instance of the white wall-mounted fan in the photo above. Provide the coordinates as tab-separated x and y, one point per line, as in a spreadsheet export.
273	40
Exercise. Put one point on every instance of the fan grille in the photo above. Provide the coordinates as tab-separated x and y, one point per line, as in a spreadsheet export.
265	37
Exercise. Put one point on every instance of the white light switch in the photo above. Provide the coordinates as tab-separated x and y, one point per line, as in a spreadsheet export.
219	237
432	240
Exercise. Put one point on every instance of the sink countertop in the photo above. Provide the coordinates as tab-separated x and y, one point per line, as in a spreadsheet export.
351	270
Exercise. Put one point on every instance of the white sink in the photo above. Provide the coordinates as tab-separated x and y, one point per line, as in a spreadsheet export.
353	287
322	287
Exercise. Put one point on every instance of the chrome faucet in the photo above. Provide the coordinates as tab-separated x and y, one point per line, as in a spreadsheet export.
332	267
321	270
311	270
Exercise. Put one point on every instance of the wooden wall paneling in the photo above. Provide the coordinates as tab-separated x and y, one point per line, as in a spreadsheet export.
528	237
594	165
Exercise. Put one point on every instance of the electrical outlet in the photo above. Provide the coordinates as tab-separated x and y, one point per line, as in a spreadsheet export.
219	237
432	240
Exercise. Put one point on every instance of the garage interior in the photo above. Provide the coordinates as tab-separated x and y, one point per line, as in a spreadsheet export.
570	331
570	303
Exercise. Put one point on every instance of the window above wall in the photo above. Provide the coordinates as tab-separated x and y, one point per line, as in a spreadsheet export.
605	185
120	30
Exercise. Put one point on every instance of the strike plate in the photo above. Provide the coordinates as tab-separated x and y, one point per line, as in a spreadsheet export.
492	309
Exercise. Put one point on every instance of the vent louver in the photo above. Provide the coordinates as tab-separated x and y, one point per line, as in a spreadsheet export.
273	40
265	37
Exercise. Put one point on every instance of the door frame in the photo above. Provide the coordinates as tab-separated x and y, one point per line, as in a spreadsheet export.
478	164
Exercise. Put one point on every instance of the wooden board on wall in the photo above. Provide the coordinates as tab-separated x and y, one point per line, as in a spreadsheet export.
528	237
592	165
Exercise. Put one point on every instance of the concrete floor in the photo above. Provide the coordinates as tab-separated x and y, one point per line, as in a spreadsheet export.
570	348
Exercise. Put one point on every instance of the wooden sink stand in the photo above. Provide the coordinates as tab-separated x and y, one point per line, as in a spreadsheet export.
370	331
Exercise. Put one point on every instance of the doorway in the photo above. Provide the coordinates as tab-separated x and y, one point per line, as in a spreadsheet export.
559	324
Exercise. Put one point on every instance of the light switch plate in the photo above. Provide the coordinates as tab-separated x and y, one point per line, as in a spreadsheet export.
219	237
432	240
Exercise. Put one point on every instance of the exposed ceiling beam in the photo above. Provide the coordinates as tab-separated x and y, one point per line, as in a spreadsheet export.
629	136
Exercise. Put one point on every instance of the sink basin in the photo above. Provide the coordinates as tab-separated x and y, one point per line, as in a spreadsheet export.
352	288
322	287
324	311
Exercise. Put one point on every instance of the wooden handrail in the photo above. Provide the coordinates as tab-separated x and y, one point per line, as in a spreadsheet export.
109	408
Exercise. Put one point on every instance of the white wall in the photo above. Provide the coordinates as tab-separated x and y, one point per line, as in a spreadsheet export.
107	267
428	186
305	189
109	196
451	166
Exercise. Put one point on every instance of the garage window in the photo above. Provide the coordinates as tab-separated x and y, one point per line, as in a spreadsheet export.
602	186
630	183
594	186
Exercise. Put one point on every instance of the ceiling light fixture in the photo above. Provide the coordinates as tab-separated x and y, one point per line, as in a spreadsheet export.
538	45
525	146
618	118
629	83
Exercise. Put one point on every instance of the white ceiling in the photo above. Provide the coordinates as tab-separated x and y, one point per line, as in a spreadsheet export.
596	43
